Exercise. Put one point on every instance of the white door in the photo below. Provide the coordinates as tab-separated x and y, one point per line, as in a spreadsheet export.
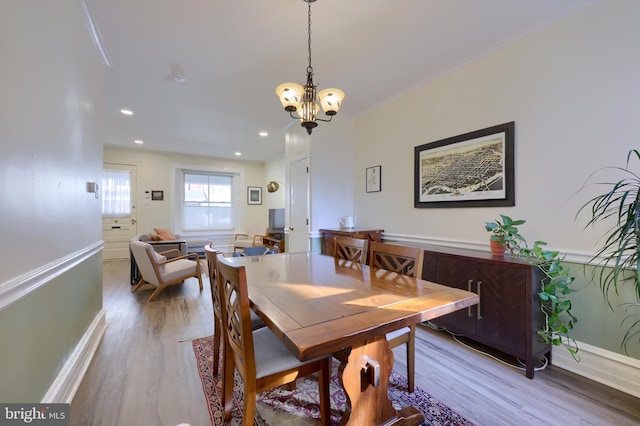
118	227
299	205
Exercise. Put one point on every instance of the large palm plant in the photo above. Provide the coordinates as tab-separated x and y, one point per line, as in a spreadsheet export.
618	258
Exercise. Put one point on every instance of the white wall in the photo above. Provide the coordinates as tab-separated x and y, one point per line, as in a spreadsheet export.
572	90
332	173
275	170
50	103
154	173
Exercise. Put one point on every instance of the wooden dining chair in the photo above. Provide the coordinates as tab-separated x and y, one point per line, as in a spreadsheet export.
407	261
354	249
218	336
259	356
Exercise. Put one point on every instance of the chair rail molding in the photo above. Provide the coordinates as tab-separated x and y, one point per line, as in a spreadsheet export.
16	288
571	256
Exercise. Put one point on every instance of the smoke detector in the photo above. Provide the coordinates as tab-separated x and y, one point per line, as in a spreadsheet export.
178	77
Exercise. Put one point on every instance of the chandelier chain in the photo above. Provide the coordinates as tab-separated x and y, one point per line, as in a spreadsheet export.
309	68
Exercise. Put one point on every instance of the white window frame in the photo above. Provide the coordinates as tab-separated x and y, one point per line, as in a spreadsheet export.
176	196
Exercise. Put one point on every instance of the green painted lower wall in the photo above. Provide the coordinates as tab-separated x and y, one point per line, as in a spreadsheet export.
40	331
598	324
316	245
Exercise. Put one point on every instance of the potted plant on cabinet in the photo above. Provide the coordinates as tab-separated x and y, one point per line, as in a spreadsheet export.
618	260
504	235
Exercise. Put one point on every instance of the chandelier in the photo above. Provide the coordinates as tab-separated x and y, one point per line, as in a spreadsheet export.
301	98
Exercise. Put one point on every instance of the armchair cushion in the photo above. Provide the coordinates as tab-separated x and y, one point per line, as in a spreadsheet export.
173	270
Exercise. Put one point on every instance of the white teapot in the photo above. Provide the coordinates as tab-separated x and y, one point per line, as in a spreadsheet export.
348	222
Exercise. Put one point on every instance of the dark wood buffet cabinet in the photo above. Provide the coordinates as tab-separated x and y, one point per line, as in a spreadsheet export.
508	314
366	234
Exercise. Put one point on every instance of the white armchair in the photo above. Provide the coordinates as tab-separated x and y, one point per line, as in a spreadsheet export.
157	270
251	239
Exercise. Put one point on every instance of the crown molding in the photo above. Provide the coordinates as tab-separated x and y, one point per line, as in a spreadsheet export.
93	32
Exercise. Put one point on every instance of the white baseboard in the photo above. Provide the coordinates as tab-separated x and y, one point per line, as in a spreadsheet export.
64	387
609	368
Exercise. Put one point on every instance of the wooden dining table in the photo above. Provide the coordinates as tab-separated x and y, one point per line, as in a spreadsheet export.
319	305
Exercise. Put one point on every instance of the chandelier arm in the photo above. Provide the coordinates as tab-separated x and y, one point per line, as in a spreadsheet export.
295	117
322	119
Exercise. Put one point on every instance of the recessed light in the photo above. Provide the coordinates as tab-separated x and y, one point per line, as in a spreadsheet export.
263	134
126	111
238	154
138	141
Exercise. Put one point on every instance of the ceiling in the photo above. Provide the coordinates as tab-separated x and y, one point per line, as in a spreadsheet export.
233	54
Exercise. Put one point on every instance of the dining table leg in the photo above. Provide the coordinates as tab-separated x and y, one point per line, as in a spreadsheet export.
364	374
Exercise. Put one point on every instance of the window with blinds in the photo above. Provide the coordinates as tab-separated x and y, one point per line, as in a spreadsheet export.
207	201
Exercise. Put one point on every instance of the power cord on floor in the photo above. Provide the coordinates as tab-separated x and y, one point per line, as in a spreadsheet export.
455	336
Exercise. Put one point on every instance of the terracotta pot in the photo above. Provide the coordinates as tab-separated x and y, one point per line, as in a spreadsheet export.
496	248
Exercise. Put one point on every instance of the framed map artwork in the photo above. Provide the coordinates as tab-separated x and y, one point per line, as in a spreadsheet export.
474	169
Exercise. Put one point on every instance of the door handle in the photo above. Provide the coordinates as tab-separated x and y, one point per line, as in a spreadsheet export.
469	314
479	300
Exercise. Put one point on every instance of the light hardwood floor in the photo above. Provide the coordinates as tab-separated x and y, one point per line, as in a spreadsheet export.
144	372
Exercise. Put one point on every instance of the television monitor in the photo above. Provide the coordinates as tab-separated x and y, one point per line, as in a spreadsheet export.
276	220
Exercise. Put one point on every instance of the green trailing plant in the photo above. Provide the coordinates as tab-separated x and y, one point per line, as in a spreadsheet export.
554	290
555	285
505	232
617	261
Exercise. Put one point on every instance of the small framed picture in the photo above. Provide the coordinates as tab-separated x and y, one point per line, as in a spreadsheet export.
374	179
157	195
254	195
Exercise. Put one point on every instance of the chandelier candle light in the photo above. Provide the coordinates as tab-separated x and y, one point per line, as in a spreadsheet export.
301	99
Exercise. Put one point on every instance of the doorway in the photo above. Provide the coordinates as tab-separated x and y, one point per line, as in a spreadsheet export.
119	216
299	205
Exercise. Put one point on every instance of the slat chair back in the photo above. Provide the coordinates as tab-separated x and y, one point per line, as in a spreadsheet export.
259	356
406	261
348	248
211	255
401	259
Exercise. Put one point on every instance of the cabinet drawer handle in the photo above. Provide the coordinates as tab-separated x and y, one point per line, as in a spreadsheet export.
469	314
479	299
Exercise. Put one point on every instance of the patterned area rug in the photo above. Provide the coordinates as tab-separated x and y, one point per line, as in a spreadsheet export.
300	407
